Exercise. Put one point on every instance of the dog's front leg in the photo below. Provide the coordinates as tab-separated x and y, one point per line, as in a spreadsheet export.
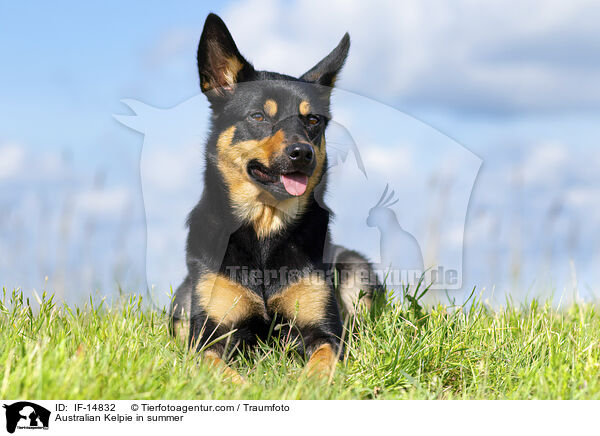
210	340
221	309
310	306
231	374
322	362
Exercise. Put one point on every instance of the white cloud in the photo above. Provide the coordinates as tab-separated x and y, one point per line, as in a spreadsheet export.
12	159
546	163
459	55
171	169
171	44
507	56
107	202
579	196
391	160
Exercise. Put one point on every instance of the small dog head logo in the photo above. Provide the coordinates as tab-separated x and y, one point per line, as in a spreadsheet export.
26	415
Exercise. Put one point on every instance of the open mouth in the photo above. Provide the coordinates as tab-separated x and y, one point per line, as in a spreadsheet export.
294	183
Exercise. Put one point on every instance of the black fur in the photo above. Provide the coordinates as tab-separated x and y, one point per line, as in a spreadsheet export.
219	240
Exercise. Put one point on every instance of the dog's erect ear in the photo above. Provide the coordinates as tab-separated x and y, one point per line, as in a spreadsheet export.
220	64
326	71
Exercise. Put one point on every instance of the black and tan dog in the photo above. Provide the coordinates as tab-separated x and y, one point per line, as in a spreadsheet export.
258	249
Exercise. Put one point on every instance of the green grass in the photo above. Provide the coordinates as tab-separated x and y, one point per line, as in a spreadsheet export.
399	351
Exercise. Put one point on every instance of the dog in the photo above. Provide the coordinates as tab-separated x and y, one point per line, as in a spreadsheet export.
258	249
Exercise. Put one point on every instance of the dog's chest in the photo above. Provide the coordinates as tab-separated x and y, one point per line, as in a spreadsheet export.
265	265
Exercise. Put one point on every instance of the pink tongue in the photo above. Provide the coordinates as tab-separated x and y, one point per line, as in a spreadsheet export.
294	183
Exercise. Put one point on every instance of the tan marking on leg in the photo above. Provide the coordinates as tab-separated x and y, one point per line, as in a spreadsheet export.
226	301
304	301
322	362
304	108
270	107
214	360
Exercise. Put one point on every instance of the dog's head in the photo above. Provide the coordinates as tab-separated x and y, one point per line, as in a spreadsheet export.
268	127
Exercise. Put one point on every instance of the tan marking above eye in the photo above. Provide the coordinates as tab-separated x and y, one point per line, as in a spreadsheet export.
304	108
270	107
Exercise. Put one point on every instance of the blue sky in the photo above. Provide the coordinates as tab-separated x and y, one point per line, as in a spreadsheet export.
515	83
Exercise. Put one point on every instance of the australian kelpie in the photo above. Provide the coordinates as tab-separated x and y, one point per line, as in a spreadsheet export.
258	248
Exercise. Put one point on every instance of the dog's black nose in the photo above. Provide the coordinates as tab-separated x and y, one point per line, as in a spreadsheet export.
300	152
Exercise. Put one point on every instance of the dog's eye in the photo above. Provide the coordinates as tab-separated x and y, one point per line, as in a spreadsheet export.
312	120
257	116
